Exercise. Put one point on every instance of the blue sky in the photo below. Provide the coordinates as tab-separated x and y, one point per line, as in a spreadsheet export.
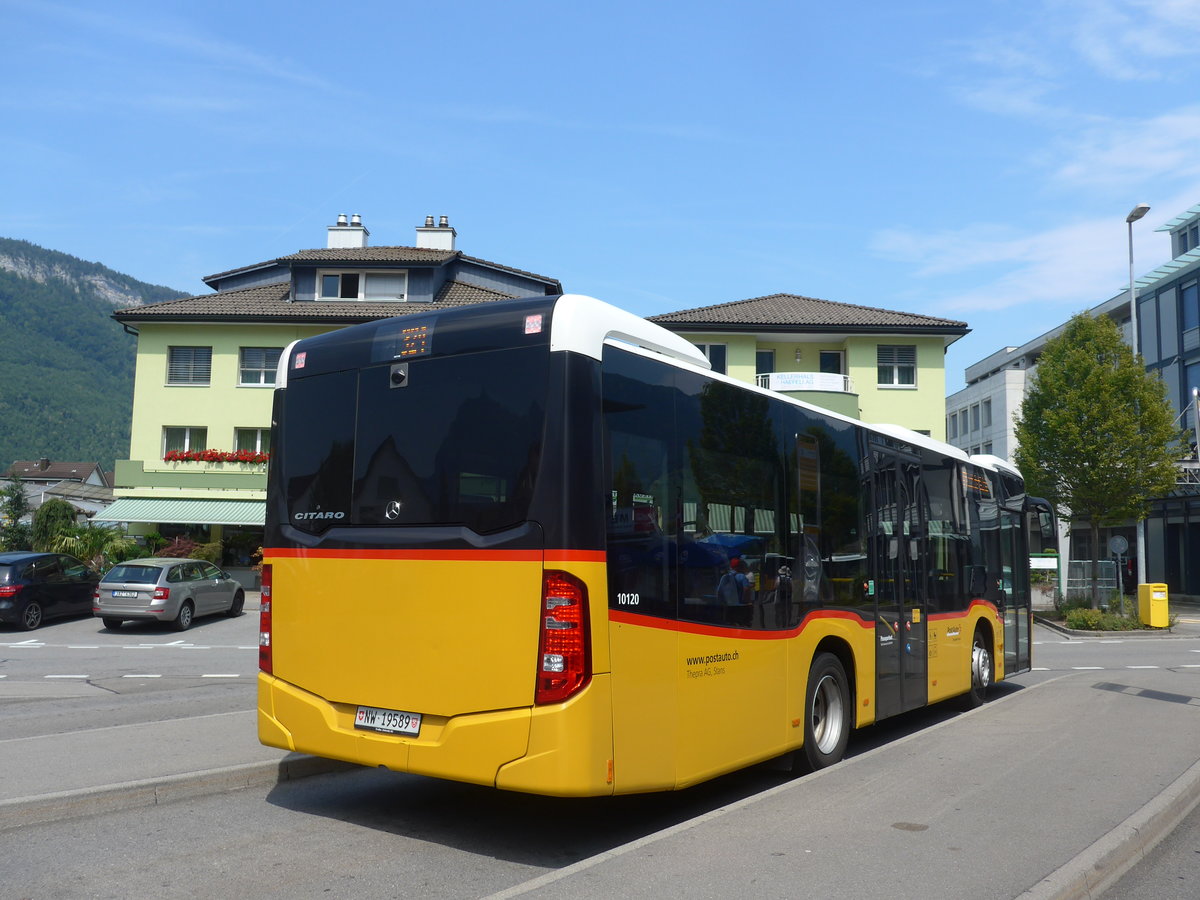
970	161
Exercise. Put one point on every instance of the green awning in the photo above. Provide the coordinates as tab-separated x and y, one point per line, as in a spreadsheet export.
185	512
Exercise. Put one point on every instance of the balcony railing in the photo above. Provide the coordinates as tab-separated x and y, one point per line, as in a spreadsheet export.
805	381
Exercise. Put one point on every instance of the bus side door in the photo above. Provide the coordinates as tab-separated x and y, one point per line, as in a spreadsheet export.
897	563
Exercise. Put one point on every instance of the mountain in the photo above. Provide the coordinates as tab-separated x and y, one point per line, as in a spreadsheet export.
66	368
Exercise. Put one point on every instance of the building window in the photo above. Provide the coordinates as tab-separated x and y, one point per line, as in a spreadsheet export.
258	364
897	365
1190	300
764	362
987	413
362	285
987	448
716	356
188	437
257	440
831	362
189	365
952	426
975	417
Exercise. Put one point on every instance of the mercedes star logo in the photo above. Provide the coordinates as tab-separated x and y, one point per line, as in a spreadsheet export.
393	509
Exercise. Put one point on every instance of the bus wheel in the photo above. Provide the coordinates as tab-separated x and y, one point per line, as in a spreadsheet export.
981	671
826	713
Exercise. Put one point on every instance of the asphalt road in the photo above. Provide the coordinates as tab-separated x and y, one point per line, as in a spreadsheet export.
923	825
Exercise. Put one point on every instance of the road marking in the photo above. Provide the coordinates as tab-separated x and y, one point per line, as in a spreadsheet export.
1184	666
1088	668
141	676
1141	667
1040	669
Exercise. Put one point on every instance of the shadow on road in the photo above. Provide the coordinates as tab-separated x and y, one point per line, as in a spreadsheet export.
543	831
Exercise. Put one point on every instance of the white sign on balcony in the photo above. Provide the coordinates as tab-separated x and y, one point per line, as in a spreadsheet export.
805	381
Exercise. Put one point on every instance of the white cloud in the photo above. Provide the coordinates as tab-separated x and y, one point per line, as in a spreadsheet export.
1126	39
1072	266
1134	152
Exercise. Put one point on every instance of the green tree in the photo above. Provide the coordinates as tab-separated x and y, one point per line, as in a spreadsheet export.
1095	434
14	534
51	519
100	547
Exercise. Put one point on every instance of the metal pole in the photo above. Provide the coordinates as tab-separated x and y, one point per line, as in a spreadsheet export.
1134	214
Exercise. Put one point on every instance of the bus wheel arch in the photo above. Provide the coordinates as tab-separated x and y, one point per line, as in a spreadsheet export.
828	708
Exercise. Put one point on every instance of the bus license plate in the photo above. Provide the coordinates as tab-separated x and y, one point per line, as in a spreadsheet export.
388	721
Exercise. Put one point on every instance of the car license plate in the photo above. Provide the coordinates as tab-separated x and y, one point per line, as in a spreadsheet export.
388	721
124	593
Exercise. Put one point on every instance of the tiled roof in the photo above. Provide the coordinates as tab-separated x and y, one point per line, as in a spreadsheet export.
32	470
370	254
270	303
793	312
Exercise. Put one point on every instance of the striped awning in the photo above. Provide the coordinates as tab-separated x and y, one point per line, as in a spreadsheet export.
185	512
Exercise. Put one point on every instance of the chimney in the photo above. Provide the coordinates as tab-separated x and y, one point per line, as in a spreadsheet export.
44	463
440	237
343	236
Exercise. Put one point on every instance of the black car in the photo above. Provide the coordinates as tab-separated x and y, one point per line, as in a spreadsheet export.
37	586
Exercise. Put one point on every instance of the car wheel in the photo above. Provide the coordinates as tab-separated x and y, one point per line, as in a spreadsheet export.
183	619
112	623
235	609
31	615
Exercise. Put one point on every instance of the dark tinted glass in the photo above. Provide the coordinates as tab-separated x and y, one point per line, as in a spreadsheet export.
457	444
699	526
138	574
317	452
6	574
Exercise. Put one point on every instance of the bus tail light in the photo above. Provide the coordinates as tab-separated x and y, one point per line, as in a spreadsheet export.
266	662
564	648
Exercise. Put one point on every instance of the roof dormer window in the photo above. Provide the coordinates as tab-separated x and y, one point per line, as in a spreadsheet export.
362	285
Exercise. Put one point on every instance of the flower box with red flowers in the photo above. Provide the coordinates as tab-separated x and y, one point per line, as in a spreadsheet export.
217	456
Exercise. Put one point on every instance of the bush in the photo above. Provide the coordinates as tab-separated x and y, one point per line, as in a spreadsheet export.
53	518
179	548
210	552
1085	619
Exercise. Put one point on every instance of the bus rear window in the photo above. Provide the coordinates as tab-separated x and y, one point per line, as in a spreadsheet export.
457	444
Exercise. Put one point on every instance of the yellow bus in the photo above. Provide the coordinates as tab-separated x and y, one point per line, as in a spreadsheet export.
538	544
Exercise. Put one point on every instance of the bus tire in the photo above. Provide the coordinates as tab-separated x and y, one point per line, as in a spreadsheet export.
981	670
826	713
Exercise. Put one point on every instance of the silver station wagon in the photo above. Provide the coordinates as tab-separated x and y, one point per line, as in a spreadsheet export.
165	590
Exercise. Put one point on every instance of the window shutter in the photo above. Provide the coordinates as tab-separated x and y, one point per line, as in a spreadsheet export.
189	365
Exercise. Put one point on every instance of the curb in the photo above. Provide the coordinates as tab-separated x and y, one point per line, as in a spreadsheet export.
1101	865
44	808
1136	634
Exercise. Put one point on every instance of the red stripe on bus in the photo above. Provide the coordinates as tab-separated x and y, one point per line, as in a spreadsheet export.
962	614
460	555
624	617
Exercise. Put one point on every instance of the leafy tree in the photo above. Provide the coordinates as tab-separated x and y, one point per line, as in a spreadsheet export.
14	534
51	519
100	547
1095	433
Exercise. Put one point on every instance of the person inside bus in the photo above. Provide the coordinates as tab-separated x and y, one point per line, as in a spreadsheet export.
735	594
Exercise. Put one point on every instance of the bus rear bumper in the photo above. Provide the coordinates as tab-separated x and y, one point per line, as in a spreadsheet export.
563	750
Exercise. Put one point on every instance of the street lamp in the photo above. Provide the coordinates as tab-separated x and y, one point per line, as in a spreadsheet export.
1134	214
